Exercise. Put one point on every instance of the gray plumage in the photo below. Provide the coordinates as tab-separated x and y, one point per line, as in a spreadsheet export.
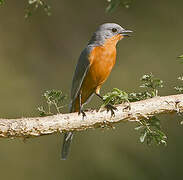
80	72
105	31
66	145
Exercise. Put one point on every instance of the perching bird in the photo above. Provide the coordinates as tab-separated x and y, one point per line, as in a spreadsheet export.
93	68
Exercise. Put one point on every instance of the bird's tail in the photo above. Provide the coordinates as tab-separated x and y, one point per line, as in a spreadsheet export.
67	139
66	145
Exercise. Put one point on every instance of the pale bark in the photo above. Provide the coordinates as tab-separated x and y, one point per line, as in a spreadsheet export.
37	126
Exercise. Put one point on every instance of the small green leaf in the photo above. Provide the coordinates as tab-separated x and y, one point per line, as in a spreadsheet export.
179	89
138	128
32	1
180	78
113	5
157	83
181	56
42	112
163	142
143	136
147	77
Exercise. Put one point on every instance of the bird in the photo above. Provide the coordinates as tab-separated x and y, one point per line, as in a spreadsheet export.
92	70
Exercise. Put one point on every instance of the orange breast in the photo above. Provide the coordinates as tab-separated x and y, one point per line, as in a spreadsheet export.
102	60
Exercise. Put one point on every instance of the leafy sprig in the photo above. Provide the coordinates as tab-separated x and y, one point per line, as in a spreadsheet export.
54	99
116	96
151	83
180	78
114	4
179	88
2	2
181	58
33	5
151	131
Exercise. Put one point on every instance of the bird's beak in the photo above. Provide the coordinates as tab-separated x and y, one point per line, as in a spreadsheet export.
125	32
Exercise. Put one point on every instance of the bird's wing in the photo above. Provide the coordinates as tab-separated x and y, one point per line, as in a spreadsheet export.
80	73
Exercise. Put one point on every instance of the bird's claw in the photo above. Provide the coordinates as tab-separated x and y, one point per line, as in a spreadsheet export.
83	113
128	107
111	108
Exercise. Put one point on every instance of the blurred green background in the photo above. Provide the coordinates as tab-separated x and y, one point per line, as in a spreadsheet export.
40	53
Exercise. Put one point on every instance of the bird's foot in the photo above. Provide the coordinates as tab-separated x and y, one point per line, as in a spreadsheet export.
127	107
111	108
83	113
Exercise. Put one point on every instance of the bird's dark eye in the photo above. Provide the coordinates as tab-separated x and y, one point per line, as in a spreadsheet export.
114	30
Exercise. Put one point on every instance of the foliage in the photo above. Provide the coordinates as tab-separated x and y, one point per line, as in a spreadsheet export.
179	88
33	5
114	4
132	97
53	98
151	131
181	58
116	96
151	85
2	2
180	78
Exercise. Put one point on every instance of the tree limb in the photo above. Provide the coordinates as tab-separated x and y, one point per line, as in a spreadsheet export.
32	127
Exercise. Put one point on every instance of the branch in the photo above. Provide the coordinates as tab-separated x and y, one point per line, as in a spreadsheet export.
32	127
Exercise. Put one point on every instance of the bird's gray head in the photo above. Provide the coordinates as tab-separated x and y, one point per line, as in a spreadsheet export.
108	31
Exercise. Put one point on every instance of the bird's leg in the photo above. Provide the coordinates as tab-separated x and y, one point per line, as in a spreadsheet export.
100	96
81	107
109	107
